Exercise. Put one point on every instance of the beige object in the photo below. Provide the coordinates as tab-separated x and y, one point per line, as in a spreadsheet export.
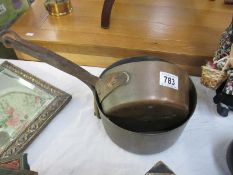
212	78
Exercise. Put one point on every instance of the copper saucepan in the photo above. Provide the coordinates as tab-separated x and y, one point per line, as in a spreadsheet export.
140	94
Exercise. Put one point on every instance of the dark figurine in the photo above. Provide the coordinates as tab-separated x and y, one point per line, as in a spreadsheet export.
224	93
224	101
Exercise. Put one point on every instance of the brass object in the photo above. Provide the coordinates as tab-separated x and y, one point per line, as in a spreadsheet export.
58	7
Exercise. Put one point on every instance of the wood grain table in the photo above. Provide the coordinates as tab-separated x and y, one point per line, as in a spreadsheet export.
180	31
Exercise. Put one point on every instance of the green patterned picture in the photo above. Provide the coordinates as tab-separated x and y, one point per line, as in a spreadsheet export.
10	9
24	100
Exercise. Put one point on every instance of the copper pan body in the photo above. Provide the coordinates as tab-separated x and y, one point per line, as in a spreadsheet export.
142	99
144	141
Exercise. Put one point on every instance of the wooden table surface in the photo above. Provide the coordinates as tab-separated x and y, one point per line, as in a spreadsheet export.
180	31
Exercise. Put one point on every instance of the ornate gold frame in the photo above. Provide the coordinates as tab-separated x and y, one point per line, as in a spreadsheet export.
26	137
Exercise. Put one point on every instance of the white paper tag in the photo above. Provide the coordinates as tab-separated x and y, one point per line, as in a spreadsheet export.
2	9
169	80
29	34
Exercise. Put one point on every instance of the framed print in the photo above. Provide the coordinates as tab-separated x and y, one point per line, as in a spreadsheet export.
16	165
27	105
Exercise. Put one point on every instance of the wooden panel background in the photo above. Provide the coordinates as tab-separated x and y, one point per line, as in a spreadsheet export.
180	31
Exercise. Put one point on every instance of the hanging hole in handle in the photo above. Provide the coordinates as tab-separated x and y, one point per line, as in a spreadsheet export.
8	34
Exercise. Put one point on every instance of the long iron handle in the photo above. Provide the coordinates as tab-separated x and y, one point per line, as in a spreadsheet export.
13	40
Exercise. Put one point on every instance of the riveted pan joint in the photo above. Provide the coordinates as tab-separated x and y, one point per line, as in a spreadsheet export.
110	82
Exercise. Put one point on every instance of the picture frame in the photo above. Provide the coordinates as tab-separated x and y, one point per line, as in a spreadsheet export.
27	105
10	10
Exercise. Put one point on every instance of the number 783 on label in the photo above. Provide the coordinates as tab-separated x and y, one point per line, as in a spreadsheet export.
169	80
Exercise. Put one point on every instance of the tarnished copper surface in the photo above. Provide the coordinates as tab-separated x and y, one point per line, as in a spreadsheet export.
143	140
110	82
144	100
